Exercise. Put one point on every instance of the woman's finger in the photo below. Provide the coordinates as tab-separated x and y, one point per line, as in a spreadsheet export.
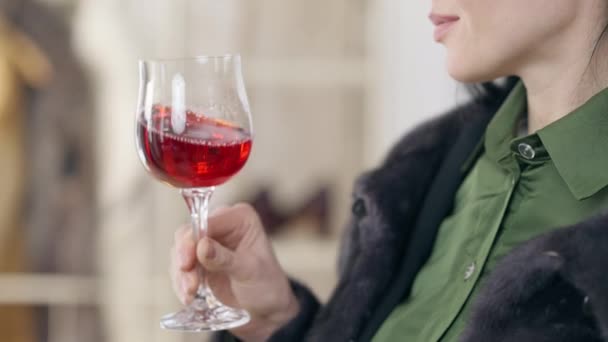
216	258
189	285
185	249
231	221
184	283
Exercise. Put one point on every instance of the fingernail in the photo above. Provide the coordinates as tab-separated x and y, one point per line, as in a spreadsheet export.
185	287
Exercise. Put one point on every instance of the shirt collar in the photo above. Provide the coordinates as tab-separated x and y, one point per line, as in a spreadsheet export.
577	144
501	129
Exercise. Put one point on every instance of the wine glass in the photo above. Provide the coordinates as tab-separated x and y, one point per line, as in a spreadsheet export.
194	132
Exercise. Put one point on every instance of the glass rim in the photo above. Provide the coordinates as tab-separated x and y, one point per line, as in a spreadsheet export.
197	58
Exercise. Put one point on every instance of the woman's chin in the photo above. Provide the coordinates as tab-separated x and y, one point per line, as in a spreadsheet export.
470	70
471	76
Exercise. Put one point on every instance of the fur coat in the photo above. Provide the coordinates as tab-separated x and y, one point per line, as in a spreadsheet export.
552	288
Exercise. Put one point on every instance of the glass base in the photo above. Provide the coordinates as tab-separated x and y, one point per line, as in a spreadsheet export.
205	315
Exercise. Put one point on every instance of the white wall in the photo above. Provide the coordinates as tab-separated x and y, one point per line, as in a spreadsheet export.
409	79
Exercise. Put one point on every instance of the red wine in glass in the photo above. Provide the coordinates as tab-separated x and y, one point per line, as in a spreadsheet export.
207	153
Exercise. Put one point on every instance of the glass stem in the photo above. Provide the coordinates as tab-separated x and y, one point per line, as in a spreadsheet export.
197	200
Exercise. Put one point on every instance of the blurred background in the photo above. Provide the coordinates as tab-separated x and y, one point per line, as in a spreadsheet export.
85	233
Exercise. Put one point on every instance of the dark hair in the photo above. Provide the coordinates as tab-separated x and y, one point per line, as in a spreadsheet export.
492	93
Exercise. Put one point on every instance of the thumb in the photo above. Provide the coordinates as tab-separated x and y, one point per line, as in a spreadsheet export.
216	258
213	256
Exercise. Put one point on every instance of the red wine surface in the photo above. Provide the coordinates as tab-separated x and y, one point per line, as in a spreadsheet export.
207	153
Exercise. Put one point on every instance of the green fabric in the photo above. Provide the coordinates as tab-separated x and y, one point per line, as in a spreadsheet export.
505	200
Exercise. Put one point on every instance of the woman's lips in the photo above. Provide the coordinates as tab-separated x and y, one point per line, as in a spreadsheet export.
443	24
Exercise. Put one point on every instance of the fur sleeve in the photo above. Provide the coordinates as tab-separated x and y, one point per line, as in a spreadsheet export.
553	288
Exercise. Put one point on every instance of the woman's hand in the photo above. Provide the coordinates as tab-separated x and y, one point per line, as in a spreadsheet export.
240	267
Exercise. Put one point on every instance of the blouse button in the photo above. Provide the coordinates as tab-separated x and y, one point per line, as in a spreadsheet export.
526	151
468	273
